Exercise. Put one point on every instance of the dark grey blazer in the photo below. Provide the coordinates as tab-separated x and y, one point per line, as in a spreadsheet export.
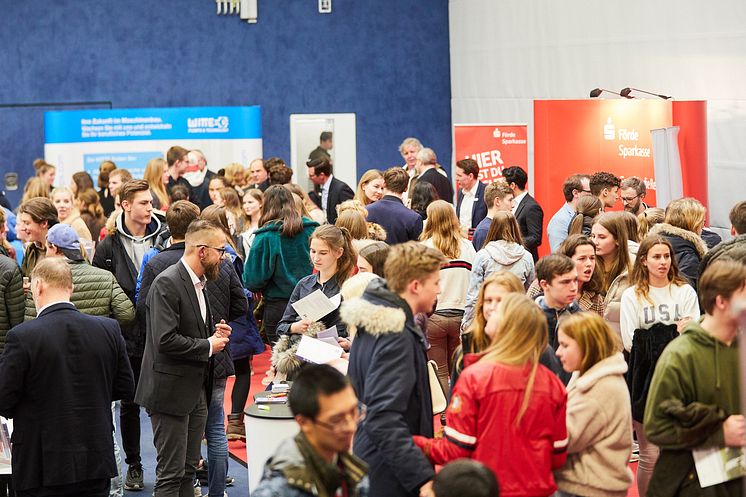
176	364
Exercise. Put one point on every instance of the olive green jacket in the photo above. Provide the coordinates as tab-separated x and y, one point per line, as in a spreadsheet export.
95	292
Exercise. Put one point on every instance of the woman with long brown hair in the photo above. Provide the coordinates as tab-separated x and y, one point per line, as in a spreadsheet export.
656	304
333	258
503	250
582	251
81	181
91	212
507	410
443	233
279	255
609	234
587	209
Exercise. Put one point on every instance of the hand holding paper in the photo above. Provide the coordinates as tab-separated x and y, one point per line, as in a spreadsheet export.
316	305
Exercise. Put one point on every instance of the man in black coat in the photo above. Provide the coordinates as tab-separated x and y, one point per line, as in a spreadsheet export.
388	369
527	212
59	374
427	169
177	367
121	253
332	191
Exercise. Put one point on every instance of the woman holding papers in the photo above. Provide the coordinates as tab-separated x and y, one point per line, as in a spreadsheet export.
334	260
279	255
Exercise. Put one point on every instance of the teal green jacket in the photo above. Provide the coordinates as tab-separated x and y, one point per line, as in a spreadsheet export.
695	387
276	263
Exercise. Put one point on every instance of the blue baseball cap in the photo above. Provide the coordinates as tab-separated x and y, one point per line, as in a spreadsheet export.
65	238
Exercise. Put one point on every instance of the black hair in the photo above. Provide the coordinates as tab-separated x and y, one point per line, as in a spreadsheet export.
465	478
423	194
314	380
515	174
325	135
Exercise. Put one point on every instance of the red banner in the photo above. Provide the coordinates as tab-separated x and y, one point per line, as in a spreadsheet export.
493	146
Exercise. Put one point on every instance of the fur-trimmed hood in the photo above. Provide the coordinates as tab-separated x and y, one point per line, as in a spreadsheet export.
379	311
666	229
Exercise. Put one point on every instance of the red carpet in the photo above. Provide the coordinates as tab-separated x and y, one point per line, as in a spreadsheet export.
237	449
261	365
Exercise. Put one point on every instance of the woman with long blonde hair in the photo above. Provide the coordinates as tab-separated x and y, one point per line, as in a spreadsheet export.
507	410
309	209
598	409
232	203
35	188
443	233
236	176
370	187
155	172
253	200
67	212
502	250
476	339
685	218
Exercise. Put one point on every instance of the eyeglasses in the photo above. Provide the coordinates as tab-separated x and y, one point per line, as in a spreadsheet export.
221	250
630	199
338	423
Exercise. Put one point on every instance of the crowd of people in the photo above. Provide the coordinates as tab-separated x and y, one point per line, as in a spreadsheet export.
618	345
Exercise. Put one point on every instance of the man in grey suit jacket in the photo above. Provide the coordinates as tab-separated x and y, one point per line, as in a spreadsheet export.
177	364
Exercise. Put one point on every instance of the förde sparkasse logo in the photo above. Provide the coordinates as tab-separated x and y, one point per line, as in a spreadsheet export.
219	124
609	130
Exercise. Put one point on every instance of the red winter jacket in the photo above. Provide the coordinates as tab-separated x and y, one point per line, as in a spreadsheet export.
485	402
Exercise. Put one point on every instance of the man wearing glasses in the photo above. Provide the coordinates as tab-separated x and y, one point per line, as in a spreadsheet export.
176	378
318	461
633	191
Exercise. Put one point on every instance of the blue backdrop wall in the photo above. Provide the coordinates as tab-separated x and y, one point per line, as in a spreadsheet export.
385	60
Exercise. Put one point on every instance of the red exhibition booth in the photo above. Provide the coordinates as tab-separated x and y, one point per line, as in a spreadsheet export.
586	136
572	136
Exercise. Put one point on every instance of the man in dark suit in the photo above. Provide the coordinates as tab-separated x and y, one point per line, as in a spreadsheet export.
401	224
527	212
470	195
427	169
59	374
331	191
176	373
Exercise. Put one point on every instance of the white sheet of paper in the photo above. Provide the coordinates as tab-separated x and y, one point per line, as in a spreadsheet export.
330	341
328	333
315	306
316	351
